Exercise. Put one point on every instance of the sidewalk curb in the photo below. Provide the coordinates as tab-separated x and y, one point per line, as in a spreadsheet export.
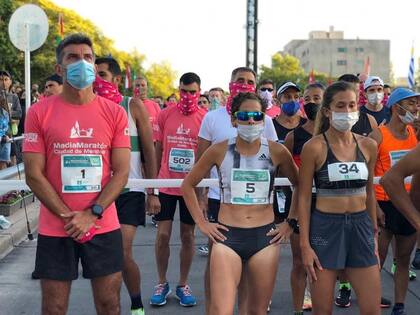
18	232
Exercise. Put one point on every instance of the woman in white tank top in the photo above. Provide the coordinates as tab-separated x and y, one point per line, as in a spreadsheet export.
246	234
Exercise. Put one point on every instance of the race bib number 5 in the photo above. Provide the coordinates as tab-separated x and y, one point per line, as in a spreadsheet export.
81	173
347	171
250	187
181	160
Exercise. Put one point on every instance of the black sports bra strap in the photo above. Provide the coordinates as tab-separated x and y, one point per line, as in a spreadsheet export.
236	159
359	154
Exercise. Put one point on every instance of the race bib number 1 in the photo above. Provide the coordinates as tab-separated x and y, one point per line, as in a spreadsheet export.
347	171
181	160
250	187
81	173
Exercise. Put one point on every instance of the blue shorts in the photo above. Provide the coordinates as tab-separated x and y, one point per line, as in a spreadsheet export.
5	152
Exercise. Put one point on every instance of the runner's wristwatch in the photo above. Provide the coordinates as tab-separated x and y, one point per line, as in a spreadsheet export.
153	191
293	223
97	210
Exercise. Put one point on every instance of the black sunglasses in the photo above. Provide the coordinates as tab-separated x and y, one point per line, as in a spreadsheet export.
266	89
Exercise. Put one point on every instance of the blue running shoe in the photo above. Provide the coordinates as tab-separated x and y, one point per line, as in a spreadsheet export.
185	296
160	294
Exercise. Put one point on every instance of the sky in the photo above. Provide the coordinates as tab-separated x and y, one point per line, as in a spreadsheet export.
208	36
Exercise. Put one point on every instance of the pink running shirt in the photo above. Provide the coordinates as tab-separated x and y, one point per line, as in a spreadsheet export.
273	112
178	135
77	141
153	109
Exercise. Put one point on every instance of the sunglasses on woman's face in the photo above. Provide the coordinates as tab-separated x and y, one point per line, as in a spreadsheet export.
245	116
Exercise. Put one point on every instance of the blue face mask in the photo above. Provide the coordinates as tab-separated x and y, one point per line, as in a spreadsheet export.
80	74
215	104
290	108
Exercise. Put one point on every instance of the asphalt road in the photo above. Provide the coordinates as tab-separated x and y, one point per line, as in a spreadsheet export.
21	295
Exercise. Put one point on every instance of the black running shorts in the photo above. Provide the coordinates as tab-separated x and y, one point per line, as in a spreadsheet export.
57	258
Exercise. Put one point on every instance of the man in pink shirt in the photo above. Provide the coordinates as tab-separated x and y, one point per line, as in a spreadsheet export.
176	149
73	143
153	108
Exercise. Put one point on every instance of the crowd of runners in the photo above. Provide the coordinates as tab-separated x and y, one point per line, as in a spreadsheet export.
83	141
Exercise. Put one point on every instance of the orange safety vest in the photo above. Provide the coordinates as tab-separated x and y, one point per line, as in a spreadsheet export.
390	151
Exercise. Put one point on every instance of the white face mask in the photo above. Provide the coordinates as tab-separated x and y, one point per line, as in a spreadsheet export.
344	121
408	118
250	133
375	98
267	97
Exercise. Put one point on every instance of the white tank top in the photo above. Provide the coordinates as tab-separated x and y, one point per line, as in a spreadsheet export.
135	160
247	180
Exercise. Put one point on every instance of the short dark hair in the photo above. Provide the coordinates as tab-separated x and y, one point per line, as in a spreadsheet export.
348	77
315	85
205	96
218	89
55	78
5	73
189	78
387	86
73	39
242	69
267	81
242	97
113	65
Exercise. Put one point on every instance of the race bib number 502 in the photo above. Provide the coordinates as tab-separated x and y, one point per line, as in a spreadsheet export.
181	160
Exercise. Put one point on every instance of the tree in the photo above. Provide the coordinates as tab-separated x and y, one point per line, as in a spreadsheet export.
161	78
287	68
43	59
11	59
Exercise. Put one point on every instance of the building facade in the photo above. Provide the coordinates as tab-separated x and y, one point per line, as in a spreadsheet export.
330	53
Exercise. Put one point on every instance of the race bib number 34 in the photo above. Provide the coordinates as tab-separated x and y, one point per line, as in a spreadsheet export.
347	171
181	160
250	187
81	173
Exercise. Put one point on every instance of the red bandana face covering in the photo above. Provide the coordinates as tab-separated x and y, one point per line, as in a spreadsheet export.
108	90
188	103
235	88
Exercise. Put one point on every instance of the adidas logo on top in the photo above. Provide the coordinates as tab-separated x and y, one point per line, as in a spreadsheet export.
262	157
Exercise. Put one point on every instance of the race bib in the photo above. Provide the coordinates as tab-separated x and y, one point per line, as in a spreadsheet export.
395	156
81	173
347	171
250	187
181	160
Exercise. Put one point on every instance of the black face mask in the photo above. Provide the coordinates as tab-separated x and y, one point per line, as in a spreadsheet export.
311	109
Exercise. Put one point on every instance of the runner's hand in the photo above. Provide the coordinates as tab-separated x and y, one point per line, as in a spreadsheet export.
281	233
310	261
211	230
80	223
152	205
380	217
